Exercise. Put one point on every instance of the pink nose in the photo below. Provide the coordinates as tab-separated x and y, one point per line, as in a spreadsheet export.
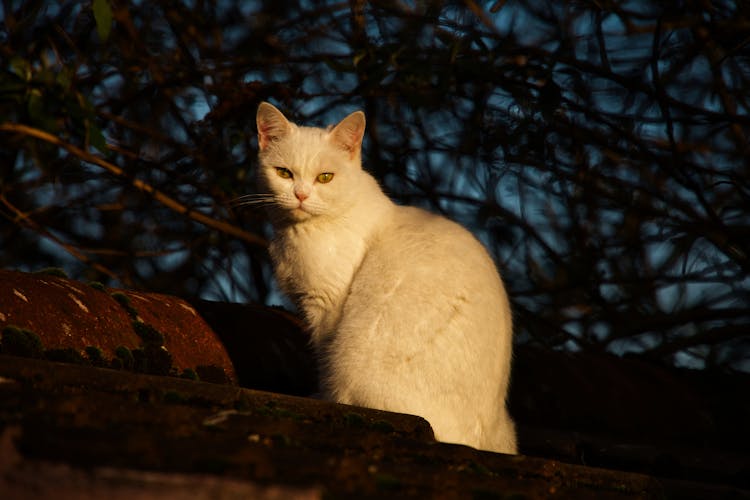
301	196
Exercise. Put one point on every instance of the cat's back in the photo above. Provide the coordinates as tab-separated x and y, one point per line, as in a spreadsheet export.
423	268
413	240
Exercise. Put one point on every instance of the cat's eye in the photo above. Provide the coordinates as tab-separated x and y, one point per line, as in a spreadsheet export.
284	173
325	177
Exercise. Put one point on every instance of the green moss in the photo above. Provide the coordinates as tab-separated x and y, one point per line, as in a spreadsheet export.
140	364
52	271
152	359
160	360
21	342
95	356
242	404
64	355
478	468
121	298
382	426
211	373
97	286
125	356
124	301
189	374
272	410
354	420
148	334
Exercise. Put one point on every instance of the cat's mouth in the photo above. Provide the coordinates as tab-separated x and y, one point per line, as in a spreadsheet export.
301	212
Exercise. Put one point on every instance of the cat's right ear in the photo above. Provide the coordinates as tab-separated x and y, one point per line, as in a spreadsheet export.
272	124
349	132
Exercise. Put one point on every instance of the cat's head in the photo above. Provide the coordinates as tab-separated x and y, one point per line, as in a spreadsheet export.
308	171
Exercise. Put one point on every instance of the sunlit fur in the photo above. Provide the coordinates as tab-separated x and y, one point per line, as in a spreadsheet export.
406	309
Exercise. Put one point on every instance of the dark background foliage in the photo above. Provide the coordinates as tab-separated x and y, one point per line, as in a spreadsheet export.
599	149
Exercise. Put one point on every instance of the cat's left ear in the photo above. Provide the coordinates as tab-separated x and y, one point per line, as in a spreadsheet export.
349	132
272	124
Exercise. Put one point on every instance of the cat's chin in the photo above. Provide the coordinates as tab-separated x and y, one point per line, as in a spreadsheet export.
299	214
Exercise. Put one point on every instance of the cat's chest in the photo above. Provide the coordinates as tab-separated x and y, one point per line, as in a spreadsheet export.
316	265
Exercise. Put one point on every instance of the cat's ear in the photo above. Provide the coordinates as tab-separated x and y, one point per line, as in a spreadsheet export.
349	132
272	125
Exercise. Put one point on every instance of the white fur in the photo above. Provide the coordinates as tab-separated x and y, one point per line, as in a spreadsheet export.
406	309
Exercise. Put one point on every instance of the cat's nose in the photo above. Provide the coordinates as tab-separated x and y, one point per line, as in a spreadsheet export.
301	195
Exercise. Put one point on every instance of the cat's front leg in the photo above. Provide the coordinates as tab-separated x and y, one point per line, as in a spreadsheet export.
321	317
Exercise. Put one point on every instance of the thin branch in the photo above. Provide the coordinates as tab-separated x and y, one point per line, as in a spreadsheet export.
27	221
159	196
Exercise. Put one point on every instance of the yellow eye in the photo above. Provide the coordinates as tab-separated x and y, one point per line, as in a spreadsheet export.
284	173
325	177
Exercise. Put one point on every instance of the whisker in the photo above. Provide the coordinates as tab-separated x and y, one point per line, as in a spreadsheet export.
250	196
252	199
250	203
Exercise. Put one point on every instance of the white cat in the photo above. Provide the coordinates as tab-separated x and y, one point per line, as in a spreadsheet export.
406	309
